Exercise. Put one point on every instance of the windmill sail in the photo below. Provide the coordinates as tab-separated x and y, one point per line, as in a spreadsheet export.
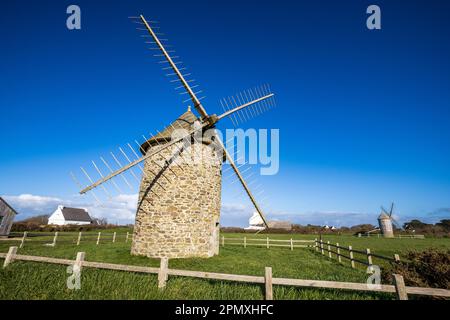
157	196
167	145
243	183
197	104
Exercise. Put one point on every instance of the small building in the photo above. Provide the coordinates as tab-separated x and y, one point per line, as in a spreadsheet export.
277	224
7	215
255	222
65	215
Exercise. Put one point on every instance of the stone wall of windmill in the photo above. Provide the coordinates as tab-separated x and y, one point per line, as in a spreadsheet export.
385	223
179	208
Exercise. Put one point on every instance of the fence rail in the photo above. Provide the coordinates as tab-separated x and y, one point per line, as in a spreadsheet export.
267	242
163	272
400	236
102	237
75	237
323	247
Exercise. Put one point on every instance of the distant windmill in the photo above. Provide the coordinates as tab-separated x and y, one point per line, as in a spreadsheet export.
385	221
179	199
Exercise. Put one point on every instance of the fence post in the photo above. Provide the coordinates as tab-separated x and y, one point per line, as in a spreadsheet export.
162	274
292	245
23	239
400	287
338	250
245	242
329	249
10	256
79	260
350	250
268	283
369	257
316	243
98	237
54	238
114	237
267	242
321	246
396	258
79	238
223	241
126	239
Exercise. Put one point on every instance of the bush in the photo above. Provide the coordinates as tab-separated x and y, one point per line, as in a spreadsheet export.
430	268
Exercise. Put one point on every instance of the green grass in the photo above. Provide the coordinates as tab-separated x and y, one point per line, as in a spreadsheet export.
27	280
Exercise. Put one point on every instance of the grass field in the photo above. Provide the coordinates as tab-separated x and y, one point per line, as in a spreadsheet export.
28	280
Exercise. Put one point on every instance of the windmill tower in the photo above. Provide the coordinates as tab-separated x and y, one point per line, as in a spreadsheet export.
385	221
180	190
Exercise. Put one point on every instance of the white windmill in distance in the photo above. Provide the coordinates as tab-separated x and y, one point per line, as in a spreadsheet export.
386	221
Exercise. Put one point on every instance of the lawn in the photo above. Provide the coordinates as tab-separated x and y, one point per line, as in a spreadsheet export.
28	280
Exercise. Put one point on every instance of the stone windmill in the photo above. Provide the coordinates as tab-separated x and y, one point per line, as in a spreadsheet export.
180	197
385	221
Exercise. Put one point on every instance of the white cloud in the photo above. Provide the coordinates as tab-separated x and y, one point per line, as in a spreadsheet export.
441	213
235	209
335	218
29	205
235	214
30	201
120	209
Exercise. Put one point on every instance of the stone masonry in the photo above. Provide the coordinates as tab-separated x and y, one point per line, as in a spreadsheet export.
179	204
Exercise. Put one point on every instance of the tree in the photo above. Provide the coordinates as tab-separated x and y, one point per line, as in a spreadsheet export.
445	224
415	224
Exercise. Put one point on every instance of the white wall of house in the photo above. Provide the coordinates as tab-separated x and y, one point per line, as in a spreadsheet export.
57	218
77	222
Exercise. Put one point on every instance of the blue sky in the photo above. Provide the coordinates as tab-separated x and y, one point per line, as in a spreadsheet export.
364	116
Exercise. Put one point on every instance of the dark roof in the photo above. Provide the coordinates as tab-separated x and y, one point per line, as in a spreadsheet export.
185	121
75	214
7	205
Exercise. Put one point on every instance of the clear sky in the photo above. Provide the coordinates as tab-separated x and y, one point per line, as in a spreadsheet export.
364	116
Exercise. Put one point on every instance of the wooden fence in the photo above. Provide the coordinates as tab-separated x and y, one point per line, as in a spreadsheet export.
267	242
328	247
52	239
163	273
400	236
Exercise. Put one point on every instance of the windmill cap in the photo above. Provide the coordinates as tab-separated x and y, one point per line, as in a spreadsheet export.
185	121
383	216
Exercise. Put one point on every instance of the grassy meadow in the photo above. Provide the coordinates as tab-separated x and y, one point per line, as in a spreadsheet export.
30	280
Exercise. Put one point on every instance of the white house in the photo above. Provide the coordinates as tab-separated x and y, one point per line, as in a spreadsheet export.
255	222
7	215
65	215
